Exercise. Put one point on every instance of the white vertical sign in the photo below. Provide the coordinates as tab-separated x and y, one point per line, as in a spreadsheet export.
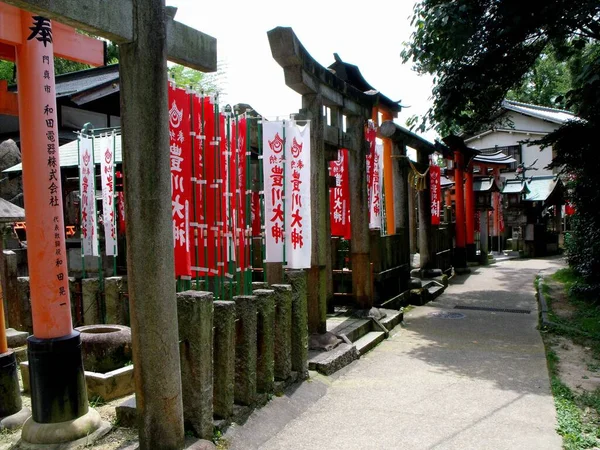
87	194
273	154
297	196
107	169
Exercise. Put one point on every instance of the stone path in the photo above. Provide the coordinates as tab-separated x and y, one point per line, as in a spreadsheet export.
449	379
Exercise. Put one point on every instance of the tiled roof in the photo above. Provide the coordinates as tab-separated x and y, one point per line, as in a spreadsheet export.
515	187
73	83
540	188
494	158
10	212
69	154
484	184
559	116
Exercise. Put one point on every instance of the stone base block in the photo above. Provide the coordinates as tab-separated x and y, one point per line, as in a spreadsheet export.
16	420
71	434
16	338
127	413
327	363
107	386
241	414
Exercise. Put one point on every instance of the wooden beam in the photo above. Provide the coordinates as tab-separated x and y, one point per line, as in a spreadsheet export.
113	19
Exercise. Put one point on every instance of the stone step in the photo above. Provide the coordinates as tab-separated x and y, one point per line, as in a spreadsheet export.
369	341
333	360
355	329
392	318
435	291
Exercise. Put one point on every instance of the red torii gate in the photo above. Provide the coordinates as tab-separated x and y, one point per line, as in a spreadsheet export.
32	41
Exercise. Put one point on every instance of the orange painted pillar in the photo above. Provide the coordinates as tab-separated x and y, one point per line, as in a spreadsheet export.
470	215
46	251
460	255
388	181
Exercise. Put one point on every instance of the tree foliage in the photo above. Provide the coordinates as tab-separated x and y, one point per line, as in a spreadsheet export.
209	83
546	83
477	50
481	50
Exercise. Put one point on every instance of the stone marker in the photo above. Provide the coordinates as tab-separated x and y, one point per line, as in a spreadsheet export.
26	322
89	295
283	331
265	375
195	317
259	285
245	349
116	304
297	278
224	358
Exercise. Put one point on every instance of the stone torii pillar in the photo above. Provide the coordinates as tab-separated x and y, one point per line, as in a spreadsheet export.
147	35
319	87
402	136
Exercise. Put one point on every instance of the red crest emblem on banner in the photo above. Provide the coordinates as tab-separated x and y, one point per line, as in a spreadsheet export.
86	158
175	115
276	144
296	148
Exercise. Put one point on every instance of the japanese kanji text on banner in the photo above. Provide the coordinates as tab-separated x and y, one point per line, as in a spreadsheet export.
339	196
181	177
286	167
107	169
297	196
273	154
436	193
87	192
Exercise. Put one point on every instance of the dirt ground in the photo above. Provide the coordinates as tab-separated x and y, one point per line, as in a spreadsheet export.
118	438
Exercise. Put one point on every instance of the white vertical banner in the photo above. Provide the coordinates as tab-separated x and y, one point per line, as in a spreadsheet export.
107	169
297	196
273	146
375	188
87	194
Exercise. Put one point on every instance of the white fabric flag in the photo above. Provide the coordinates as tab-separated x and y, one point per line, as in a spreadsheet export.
87	194
273	146
298	224
375	189
107	169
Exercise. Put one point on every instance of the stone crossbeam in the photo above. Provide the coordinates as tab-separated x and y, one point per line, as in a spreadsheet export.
113	19
306	76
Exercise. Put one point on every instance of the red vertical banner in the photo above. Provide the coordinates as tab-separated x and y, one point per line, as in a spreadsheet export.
224	198
339	196
180	153
241	192
121	212
435	189
255	214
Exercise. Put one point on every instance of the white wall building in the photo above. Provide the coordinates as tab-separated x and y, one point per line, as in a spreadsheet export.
526	122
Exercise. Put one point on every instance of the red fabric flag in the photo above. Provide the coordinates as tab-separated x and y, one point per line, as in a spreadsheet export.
435	190
209	248
339	196
180	155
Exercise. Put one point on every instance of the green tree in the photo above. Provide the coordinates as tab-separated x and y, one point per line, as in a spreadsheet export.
61	66
209	83
546	83
478	50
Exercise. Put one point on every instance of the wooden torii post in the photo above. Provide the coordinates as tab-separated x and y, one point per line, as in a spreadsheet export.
32	41
147	35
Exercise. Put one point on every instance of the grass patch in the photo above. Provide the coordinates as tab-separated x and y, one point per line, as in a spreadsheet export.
578	415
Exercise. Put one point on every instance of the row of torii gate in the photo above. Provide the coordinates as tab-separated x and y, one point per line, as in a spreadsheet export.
147	34
343	90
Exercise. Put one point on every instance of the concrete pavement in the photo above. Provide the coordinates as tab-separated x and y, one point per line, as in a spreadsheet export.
449	379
